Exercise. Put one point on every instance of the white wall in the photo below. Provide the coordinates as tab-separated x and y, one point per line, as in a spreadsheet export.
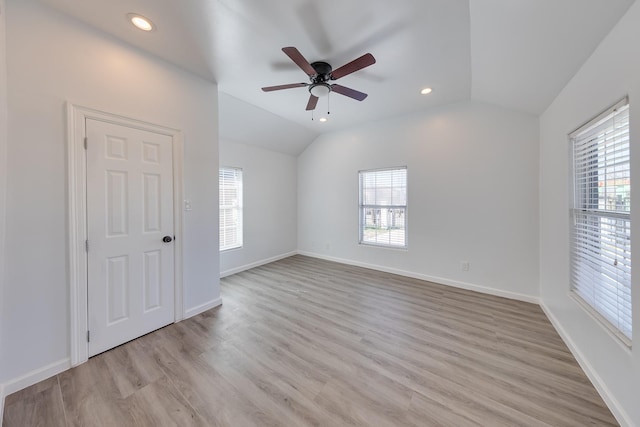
3	185
472	196
266	130
270	205
52	59
611	72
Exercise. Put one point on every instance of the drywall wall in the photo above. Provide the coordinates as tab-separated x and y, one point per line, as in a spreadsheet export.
270	205
53	59
267	130
472	196
3	185
612	72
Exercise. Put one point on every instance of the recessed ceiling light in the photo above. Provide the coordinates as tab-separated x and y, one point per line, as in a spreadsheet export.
323	119
426	91
141	22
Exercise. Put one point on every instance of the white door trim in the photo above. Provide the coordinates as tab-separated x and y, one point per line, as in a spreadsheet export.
77	188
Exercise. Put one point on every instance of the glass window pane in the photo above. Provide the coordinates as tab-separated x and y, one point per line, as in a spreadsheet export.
230	194
383	204
601	232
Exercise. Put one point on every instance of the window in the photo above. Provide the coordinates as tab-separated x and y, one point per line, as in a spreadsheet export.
230	181
601	221
383	207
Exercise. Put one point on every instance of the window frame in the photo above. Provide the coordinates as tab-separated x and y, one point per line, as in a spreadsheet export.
579	207
362	207
237	207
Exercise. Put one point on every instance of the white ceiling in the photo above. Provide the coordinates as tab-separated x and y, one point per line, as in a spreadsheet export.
514	53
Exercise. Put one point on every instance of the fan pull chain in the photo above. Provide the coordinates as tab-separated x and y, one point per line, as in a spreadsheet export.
328	109
311	115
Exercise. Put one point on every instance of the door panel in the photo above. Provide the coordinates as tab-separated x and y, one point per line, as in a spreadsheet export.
129	211
151	197
117	282
117	209
152	270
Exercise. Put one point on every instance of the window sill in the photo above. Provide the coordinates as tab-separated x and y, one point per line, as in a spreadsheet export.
618	336
373	245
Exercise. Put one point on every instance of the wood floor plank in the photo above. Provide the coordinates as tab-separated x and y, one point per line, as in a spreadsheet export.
41	407
217	401
267	390
31	391
160	404
307	342
426	412
131	368
91	397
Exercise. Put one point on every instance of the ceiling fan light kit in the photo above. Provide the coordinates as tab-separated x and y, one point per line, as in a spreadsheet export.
320	73
319	90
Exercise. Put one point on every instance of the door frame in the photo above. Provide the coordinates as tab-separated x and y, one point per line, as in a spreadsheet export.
77	203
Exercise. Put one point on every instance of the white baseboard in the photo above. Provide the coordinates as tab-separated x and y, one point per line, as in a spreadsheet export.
35	376
256	264
434	279
612	403
202	308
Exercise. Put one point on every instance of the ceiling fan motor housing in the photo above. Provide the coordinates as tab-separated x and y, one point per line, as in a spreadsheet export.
323	72
319	86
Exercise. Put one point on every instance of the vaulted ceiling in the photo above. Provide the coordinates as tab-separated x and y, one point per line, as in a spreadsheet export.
513	53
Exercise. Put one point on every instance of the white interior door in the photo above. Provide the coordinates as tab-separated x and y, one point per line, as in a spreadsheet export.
129	213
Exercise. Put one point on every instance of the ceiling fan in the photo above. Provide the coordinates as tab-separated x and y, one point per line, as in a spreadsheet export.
320	74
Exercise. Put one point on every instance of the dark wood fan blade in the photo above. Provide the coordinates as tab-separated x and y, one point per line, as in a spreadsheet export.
289	86
300	60
353	66
313	101
351	93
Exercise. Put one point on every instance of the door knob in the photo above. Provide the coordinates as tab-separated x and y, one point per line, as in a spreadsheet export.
167	239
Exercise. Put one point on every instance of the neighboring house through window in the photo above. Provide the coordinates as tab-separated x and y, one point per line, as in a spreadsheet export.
601	219
230	183
383	207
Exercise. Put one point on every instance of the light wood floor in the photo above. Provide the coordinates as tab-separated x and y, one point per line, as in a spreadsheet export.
304	342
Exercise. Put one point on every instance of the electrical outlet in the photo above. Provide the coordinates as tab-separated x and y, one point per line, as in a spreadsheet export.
187	205
464	265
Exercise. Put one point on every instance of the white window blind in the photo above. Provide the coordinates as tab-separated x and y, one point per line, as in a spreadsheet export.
601	235
230	183
383	207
